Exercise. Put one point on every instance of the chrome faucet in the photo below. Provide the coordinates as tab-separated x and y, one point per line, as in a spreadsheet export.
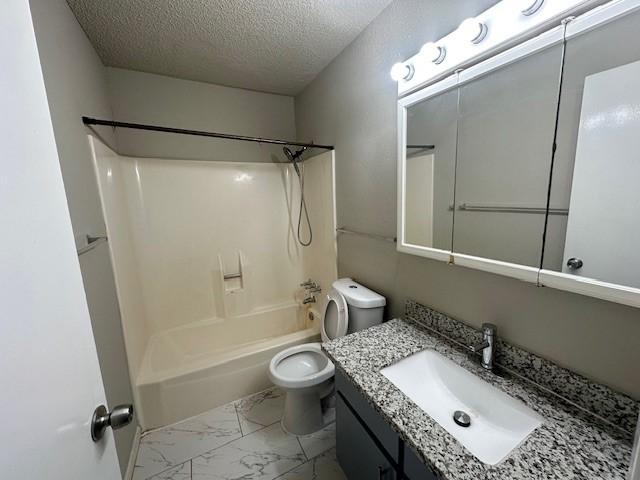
487	346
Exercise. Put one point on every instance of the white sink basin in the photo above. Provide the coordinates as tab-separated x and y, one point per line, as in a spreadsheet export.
499	423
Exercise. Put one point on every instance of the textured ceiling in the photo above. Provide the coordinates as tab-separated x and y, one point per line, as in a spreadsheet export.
276	46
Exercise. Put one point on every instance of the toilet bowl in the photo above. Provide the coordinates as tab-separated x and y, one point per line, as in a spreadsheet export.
306	375
304	372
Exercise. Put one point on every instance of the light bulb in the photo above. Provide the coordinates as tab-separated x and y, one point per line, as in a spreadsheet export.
402	71
529	7
433	52
473	30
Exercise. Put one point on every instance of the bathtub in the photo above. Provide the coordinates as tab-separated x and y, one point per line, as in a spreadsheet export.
194	368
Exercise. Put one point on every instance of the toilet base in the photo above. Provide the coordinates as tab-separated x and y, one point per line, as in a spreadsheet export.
303	409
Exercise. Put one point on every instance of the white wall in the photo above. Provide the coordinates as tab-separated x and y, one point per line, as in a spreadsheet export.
76	85
154	99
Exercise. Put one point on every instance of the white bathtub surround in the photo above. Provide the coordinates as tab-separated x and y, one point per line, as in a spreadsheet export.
208	271
242	439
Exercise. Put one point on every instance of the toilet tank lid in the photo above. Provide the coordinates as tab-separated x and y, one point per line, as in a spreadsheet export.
358	295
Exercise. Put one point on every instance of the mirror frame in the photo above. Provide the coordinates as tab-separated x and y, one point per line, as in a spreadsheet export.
562	281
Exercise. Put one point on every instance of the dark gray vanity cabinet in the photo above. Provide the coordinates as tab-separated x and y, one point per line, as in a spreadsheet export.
366	446
358	454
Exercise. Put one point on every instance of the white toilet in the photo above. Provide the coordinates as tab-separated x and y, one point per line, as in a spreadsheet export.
304	372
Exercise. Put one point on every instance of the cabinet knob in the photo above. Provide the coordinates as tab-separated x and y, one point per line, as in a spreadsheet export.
574	263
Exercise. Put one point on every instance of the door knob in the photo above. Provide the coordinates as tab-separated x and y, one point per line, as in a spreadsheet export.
118	417
574	263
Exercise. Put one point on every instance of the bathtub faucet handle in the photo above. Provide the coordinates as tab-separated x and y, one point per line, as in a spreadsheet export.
307	284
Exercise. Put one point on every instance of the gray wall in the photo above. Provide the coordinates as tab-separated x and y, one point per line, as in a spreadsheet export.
75	81
155	99
352	104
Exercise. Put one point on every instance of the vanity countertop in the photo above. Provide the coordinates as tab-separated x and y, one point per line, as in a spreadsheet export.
571	444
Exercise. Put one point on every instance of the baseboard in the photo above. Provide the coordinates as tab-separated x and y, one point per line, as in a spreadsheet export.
134	454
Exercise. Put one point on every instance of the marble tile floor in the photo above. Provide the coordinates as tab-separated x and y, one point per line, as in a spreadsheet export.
240	440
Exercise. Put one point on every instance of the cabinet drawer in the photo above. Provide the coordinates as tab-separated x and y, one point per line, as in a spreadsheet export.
357	453
382	431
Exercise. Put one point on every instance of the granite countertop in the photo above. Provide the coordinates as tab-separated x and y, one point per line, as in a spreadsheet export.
571	443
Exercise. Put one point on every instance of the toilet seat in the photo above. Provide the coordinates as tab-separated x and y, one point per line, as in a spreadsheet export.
335	319
301	366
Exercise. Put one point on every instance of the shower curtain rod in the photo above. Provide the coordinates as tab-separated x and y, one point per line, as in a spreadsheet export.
421	147
199	133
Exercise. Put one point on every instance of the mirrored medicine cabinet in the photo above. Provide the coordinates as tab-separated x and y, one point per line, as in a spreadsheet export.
528	164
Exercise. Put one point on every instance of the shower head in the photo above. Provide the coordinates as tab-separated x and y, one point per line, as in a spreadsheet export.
289	154
293	157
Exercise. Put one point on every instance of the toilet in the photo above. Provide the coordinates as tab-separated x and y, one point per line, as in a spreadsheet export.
304	372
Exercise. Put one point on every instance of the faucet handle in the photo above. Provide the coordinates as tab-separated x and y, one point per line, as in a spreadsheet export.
309	299
307	284
479	347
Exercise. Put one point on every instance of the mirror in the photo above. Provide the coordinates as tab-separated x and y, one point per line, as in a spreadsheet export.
481	186
505	133
429	171
596	174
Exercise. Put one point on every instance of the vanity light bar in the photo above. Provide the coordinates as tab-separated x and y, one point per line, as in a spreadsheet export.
477	37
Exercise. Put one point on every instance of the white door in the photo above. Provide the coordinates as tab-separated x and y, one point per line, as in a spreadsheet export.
603	229
49	374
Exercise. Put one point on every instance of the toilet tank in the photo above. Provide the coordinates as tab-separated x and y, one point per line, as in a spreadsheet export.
366	307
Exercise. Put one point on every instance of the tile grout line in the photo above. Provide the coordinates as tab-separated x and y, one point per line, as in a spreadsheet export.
292	468
235	407
302	448
166	470
214	449
172	425
190	460
310	461
242	435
